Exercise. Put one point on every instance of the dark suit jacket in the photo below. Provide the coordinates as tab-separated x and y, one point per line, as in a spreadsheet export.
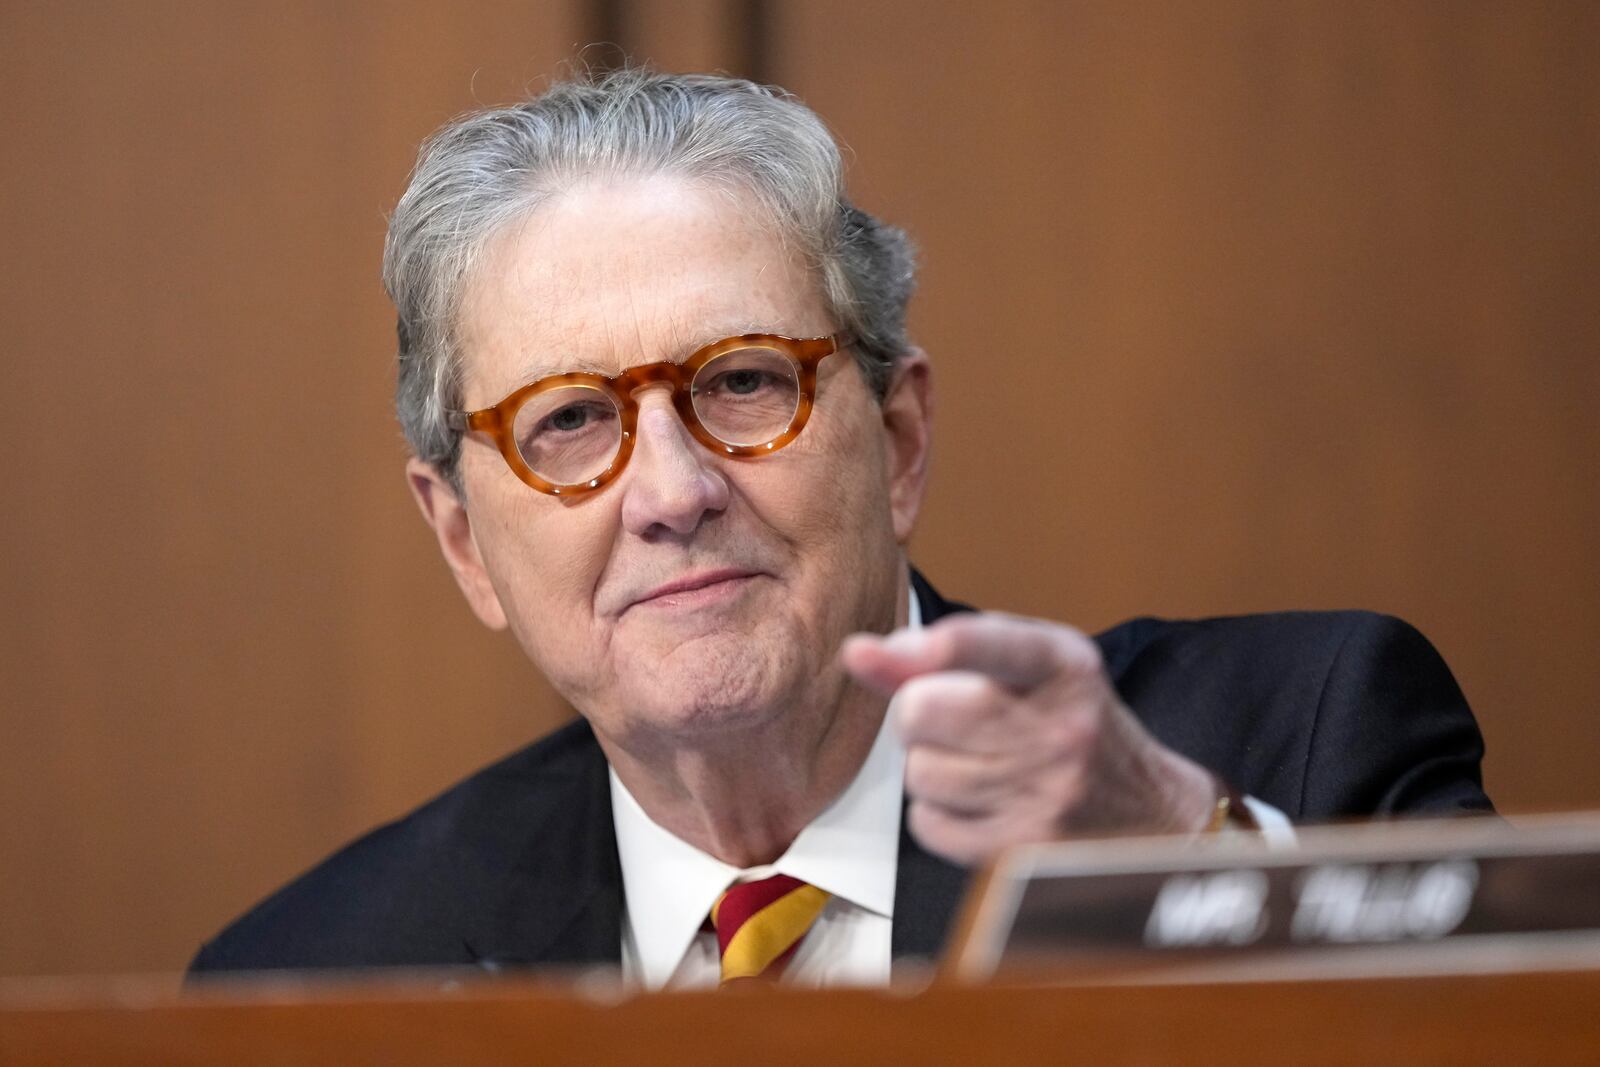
1319	714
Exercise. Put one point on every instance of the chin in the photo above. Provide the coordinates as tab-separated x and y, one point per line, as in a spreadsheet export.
719	682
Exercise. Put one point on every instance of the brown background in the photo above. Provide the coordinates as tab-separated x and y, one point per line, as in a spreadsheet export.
1314	281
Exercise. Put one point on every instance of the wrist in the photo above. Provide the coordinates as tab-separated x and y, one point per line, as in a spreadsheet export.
1192	793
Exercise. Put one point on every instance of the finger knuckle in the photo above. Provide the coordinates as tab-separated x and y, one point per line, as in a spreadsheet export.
924	774
984	690
920	691
914	705
1078	651
942	833
928	823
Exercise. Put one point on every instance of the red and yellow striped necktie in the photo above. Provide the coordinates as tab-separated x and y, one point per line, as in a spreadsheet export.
759	925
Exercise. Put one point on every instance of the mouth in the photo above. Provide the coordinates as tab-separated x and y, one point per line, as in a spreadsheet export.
700	589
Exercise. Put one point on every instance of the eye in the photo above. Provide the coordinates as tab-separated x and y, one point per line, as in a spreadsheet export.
735	382
571	417
565	420
741	382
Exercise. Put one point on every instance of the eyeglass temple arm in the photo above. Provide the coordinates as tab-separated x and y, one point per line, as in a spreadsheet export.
466	421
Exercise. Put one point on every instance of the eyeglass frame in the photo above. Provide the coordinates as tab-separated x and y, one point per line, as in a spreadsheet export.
498	420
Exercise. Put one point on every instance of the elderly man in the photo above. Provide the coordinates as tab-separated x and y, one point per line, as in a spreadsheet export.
669	429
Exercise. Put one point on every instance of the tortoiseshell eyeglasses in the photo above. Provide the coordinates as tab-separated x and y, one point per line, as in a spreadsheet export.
570	434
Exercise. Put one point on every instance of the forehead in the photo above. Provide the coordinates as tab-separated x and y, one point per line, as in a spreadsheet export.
611	275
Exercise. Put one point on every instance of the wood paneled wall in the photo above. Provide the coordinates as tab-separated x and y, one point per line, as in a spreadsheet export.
1316	287
1312	282
229	644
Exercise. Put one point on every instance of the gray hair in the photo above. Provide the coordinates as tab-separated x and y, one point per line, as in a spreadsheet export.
492	167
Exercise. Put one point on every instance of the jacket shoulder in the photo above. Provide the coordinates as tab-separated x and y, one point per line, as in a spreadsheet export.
402	893
1238	640
1322	714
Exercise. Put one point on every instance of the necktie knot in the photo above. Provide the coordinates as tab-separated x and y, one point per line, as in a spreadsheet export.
760	924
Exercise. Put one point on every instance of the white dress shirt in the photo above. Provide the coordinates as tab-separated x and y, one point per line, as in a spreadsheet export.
851	851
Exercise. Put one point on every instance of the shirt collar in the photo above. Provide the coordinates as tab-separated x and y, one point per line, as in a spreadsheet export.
851	850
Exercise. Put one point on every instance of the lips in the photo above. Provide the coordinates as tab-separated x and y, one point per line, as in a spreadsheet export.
698	585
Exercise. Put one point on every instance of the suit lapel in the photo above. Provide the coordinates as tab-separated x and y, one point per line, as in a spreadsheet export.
928	890
560	900
927	893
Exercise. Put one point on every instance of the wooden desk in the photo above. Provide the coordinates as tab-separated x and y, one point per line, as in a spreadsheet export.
1536	1018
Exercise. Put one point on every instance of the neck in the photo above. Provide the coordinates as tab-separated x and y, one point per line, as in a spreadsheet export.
743	796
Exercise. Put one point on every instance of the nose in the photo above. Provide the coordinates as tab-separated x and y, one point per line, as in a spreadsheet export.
672	483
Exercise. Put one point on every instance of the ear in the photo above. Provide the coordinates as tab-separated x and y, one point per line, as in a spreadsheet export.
908	424
451	524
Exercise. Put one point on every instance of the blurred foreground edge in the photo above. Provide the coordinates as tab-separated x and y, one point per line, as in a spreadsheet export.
1365	900
1455	942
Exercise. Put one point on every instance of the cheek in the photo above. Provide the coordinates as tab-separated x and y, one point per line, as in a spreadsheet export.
544	557
853	452
828	494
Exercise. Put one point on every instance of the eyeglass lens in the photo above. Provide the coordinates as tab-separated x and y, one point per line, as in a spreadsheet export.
571	434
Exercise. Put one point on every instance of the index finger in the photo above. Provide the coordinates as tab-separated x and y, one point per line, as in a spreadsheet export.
1017	652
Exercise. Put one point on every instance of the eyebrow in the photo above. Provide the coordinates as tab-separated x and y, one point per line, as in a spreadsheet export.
581	365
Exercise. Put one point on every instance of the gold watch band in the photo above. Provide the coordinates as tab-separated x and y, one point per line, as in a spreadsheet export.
1230	811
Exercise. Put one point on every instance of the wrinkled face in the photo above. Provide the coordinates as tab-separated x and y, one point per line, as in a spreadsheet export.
695	592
